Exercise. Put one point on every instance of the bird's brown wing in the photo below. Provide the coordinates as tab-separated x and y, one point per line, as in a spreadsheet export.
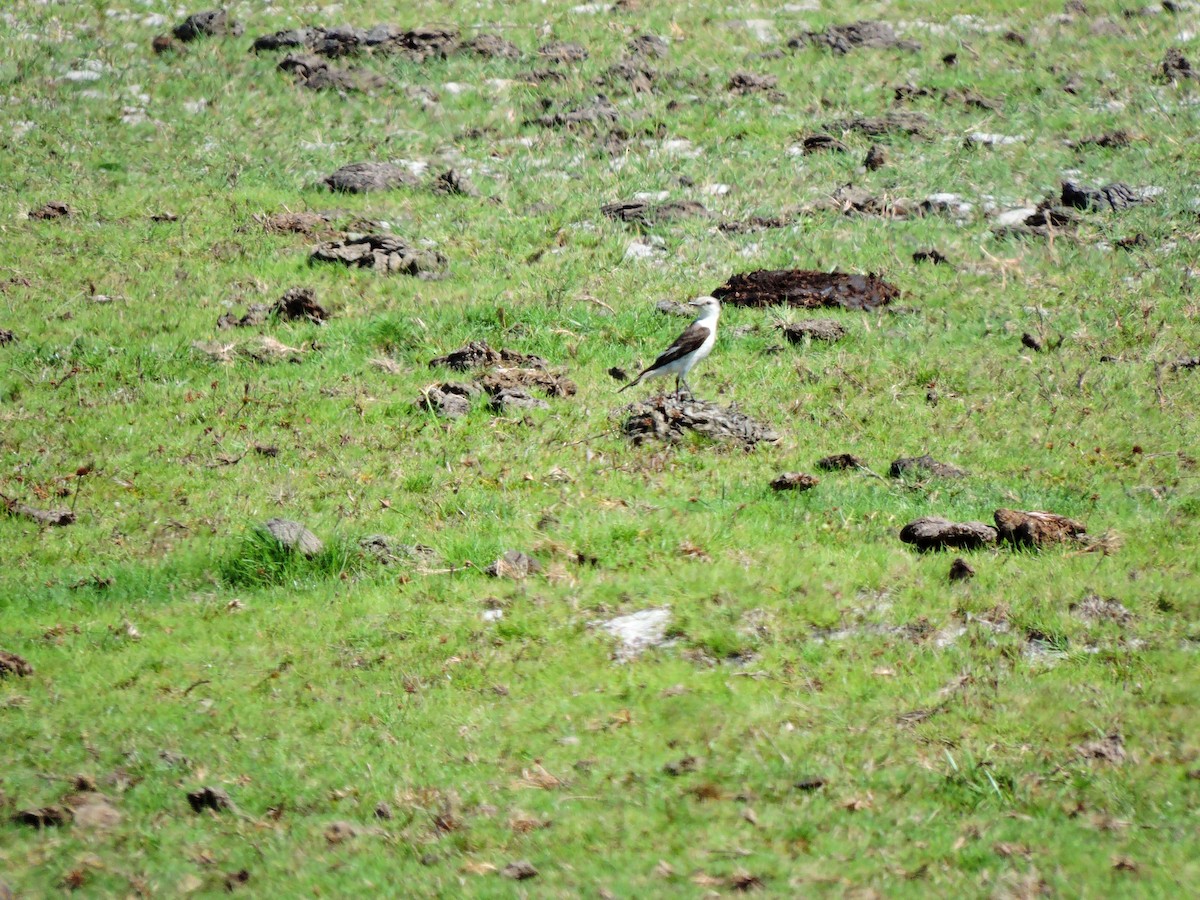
688	342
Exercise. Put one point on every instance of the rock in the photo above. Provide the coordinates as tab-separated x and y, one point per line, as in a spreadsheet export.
794	481
385	253
863	34
11	664
211	23
961	570
515	565
638	632
840	461
451	399
814	329
359	178
294	536
1037	529
936	533
213	798
924	465
806	289
668	418
55	209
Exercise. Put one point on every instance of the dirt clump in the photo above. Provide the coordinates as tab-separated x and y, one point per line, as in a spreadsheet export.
11	664
849	200
591	113
819	143
863	34
649	45
645	214
211	23
7	337
960	570
1175	67
1094	608
1109	140
1114	197
213	798
300	303
363	177
876	158
293	222
519	870
515	565
924	466
756	223
814	329
507	399
43	817
631	75
806	289
936	533
1037	529
385	253
932	255
451	399
312	72
839	462
454	182
500	380
794	481
286	39
478	354
669	418
907	123
55	209
491	46
563	52
742	83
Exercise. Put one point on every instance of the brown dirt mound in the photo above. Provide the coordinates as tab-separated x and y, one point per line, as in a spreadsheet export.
794	481
55	209
853	36
839	461
1037	529
814	329
806	289
492	46
385	253
362	177
819	143
500	380
11	664
211	23
668	418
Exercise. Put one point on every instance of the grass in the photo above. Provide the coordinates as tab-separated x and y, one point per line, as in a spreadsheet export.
174	648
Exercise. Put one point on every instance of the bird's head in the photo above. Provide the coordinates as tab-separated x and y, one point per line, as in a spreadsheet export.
706	306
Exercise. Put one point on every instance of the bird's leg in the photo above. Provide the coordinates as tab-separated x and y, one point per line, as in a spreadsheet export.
677	389
691	396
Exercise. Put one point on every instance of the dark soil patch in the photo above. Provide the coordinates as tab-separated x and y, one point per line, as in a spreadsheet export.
417	44
312	72
385	253
806	289
211	23
508	400
853	36
501	380
1037	529
794	481
478	354
645	214
579	115
742	83
924	466
11	664
668	418
300	303
55	209
541	76
287	39
492	46
563	52
1114	197
631	75
839	462
360	178
815	330
822	143
936	533
907	123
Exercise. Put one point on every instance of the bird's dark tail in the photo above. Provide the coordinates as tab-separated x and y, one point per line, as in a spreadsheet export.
631	384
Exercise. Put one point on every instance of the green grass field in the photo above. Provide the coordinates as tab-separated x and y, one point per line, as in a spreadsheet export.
829	715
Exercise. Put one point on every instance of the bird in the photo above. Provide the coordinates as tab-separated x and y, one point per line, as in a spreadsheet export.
689	348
